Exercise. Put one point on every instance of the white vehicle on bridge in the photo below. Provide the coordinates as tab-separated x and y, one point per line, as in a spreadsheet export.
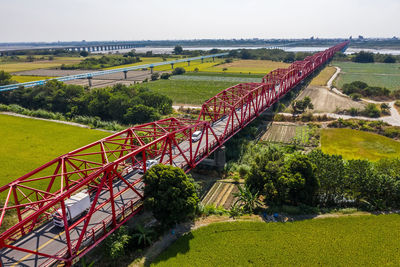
149	163
75	206
196	136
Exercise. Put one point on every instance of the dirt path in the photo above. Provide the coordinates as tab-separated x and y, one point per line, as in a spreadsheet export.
177	107
329	84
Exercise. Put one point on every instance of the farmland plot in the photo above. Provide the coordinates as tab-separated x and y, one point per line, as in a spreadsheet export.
286	133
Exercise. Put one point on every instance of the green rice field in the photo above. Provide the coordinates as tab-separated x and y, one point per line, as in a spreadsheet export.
189	91
353	144
374	74
41	64
29	143
347	241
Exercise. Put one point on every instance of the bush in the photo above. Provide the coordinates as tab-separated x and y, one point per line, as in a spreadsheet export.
392	132
364	57
353	111
165	76
5	78
178	71
372	111
389	59
155	76
212	210
243	170
356	96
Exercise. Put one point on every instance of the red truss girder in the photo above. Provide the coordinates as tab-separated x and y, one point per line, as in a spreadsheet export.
106	167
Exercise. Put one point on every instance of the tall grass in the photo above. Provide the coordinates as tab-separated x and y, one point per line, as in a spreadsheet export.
93	122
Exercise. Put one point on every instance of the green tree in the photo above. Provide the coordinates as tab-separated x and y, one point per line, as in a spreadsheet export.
84	53
169	194
140	114
385	108
5	78
389	59
245	54
371	110
178	71
299	180
330	171
117	242
265	170
155	76
364	57
165	76
299	106
290	57
178	50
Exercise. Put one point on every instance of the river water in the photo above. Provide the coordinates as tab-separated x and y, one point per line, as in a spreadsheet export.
168	50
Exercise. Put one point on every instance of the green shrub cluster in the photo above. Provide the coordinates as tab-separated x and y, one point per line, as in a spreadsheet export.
363	89
357	89
268	54
316	179
5	78
367	57
125	104
94	122
102	62
178	71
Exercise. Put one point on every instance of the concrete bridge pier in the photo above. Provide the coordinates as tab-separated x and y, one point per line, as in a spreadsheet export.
217	160
90	81
220	158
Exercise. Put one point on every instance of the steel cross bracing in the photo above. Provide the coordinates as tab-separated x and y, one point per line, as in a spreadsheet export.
105	72
108	169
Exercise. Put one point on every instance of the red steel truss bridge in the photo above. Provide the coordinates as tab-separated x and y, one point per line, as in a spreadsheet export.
109	170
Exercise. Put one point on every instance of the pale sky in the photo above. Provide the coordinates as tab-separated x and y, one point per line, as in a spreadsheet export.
76	20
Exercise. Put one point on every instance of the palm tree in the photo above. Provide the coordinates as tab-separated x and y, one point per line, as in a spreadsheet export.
247	200
143	235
